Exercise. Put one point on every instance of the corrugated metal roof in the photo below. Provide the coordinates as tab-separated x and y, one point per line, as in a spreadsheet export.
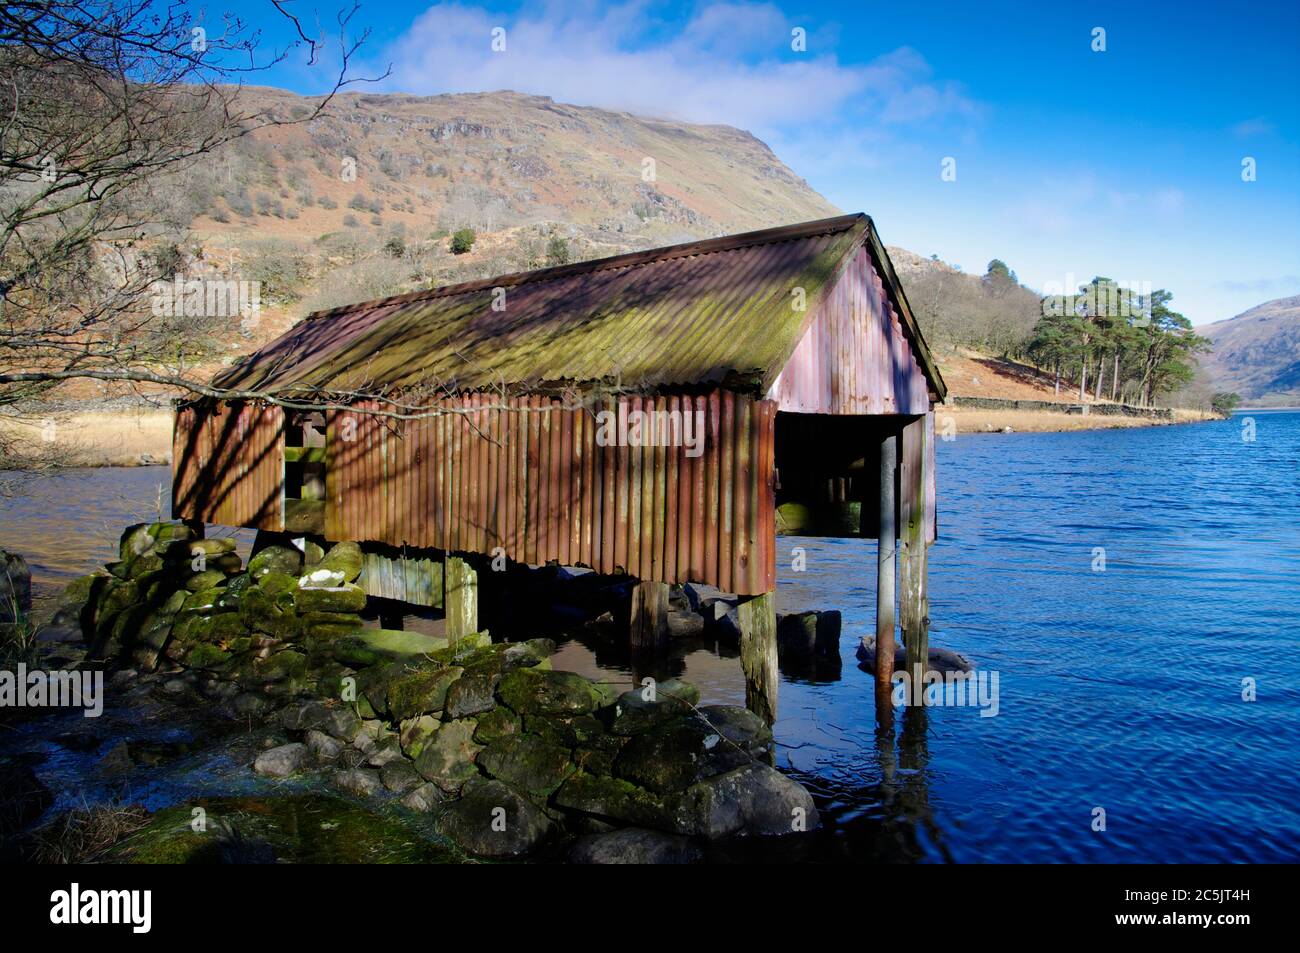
703	313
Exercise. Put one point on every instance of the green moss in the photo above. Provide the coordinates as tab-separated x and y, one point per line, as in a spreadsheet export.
345	558
205	656
208	579
614	799
274	558
500	722
420	692
531	691
307	829
527	762
374	646
275	582
347	598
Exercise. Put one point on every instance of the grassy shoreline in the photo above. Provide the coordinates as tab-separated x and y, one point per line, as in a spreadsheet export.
125	438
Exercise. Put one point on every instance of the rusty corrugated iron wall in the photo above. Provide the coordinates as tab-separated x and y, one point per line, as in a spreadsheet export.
527	476
854	358
228	465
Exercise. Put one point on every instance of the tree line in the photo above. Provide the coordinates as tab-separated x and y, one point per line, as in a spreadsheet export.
1105	340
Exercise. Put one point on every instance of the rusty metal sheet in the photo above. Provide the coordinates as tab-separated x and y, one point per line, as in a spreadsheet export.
528	476
855	357
228	465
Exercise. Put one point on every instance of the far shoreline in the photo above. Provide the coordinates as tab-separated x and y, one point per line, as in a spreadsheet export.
134	437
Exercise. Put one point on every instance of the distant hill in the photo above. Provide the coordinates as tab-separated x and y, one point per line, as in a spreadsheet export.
361	202
1257	353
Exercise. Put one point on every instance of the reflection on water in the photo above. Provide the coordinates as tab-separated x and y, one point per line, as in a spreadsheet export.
1119	689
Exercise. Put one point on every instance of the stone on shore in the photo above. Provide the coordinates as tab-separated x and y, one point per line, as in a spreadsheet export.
527	762
447	758
529	691
492	819
282	761
754	799
635	845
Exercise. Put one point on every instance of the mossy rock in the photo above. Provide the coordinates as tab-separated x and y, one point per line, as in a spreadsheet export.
275	558
415	733
471	694
206	602
78	592
312	553
282	665
275	582
149	646
169	530
447	758
224	629
186	550
208	579
270	613
228	563
614	799
598	758
492	819
673	756
346	558
527	762
529	691
634	713
205	656
118	595
420	692
375	646
134	541
306	829
498	723
149	562
331	618
569	731
347	598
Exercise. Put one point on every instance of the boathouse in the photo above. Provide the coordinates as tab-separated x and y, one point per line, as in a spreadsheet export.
663	414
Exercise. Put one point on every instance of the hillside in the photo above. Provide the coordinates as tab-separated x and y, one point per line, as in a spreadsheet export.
1257	353
361	202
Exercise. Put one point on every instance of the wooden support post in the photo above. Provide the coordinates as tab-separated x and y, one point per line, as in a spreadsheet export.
460	596
886	536
913	472
758	654
648	617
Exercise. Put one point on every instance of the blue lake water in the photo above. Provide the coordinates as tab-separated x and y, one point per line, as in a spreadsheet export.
1120	685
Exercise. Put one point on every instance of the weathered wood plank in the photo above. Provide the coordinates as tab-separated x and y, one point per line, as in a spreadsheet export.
888	455
914	513
758	659
648	617
460	595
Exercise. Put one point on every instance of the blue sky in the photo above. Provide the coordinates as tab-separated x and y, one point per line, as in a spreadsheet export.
1069	161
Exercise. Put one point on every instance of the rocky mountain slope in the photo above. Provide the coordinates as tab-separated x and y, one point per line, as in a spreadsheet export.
1257	353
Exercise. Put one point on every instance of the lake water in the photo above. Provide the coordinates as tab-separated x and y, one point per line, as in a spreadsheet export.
1122	584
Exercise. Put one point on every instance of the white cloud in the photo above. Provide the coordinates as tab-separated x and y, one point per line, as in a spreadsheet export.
731	63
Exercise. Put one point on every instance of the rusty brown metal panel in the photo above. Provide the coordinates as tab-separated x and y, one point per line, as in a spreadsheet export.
726	490
228	465
564	483
609	503
529	476
741	497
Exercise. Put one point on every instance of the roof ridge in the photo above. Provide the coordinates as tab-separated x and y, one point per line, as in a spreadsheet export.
705	246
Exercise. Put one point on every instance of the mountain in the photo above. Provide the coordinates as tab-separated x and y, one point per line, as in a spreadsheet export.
361	201
1257	353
